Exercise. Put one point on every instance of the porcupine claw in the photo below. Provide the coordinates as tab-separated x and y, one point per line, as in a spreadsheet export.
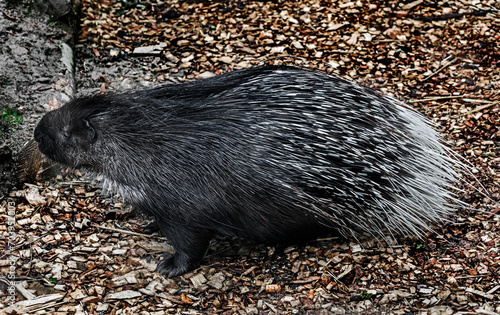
172	266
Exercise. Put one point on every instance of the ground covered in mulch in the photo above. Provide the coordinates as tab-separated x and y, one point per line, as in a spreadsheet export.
441	57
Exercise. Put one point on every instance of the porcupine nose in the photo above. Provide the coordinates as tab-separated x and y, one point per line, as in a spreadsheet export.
42	135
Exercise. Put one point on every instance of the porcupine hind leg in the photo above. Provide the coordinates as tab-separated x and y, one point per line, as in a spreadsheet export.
190	245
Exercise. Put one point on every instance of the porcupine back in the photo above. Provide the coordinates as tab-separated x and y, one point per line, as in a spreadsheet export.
271	152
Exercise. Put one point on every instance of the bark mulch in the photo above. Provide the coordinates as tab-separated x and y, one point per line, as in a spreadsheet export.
442	57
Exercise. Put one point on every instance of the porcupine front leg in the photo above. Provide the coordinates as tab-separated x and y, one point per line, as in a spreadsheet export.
151	228
190	245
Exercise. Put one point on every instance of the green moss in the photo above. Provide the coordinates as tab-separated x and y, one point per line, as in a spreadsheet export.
365	295
10	118
4	81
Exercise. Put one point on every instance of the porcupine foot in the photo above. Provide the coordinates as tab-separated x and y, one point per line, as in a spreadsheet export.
151	228
173	265
190	246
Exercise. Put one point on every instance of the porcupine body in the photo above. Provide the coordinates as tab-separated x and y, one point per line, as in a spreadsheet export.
274	154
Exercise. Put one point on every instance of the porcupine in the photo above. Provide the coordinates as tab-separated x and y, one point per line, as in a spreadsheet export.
274	154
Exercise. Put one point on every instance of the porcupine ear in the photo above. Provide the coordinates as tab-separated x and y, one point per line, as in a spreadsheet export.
82	133
91	135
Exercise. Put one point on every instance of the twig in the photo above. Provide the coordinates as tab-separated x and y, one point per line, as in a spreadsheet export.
75	182
479	108
469	276
493	290
22	244
473	100
435	98
308	280
327	238
123	231
389	40
340	51
441	68
336	279
27	294
411	5
47	306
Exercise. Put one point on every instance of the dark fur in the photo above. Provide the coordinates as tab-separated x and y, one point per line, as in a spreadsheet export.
275	154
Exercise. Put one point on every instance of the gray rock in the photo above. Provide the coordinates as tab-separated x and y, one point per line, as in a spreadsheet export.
36	74
54	8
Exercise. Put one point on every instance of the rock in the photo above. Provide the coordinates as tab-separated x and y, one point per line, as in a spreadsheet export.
127	294
206	75
59	8
226	59
154	50
297	45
